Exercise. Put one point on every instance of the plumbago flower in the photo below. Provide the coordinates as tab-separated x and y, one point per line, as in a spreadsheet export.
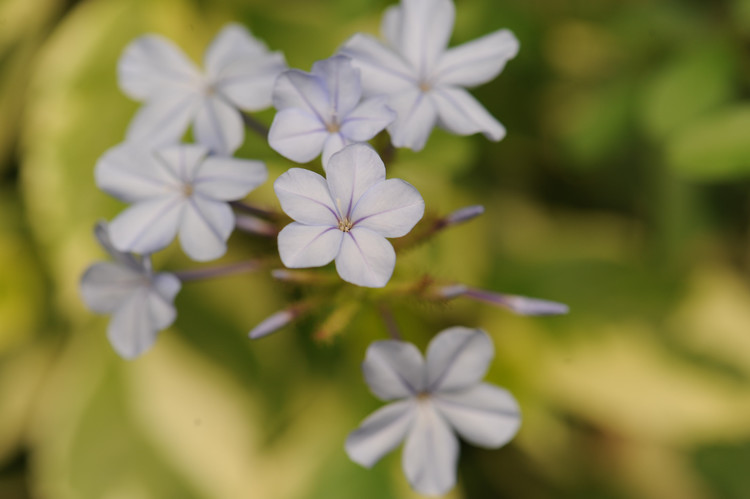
423	80
321	111
239	74
434	399
141	302
347	216
176	189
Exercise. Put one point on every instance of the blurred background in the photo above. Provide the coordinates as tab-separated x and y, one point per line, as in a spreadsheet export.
622	189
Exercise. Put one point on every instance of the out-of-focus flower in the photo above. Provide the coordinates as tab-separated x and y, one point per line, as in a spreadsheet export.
141	302
321	111
425	82
347	216
175	189
434	398
239	74
521	305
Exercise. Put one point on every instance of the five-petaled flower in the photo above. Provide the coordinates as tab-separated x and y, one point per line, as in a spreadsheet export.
321	111
346	216
423	80
175	189
239	75
141	302
433	399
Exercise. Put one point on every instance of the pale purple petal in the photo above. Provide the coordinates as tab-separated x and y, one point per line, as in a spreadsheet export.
382	70
152	66
367	119
181	161
205	228
272	323
302	246
430	454
304	196
333	144
131	174
416	118
521	305
342	81
477	61
366	258
390	208
462	114
297	134
164	119
241	68
218	126
105	285
228	179
134	325
380	433
390	25
426	27
297	89
167	285
484	415
394	369
147	226
457	358
352	171
136	263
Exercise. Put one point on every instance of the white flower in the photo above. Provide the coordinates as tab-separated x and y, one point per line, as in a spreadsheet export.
141	302
239	74
175	189
425	81
321	111
346	216
434	399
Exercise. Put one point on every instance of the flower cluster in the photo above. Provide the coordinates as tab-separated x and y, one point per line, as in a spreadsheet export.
196	193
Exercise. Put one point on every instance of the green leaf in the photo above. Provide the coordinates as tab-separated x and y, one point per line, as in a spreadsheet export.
713	149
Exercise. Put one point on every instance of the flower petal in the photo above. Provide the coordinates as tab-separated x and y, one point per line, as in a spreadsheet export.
484	415
241	67
147	226
205	227
218	126
106	285
426	28
394	369
135	324
308	246
366	258
390	208
181	161
167	285
131	174
431	453
477	61
304	196
164	119
297	134
333	144
134	262
380	433
341	80
457	358
152	66
367	119
462	114
382	70
297	89
228	179
390	25
350	172
416	118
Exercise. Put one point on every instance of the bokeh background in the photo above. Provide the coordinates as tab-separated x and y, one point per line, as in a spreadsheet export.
621	189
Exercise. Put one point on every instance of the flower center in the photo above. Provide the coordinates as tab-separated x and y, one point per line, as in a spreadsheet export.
425	86
187	190
345	225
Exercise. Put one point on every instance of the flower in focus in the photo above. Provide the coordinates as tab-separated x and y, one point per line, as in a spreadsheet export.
141	302
434	398
347	216
321	111
425	81
176	189
239	74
